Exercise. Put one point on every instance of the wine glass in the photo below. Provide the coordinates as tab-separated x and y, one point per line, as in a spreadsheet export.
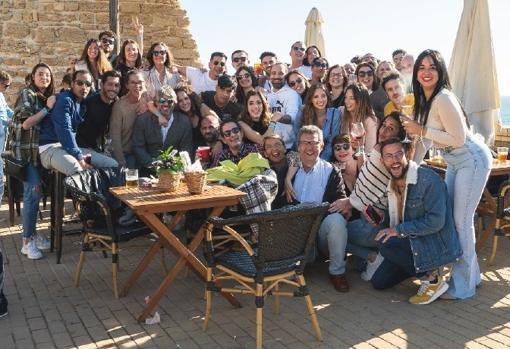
407	110
358	133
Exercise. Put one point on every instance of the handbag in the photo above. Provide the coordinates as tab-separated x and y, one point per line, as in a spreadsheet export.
14	167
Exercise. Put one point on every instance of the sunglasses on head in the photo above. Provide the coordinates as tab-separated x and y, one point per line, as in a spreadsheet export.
297	81
239	59
166	101
157	53
243	76
232	131
83	82
362	74
342	146
320	65
295	48
108	41
219	62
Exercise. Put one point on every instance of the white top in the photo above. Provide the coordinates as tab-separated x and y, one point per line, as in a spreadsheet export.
164	129
153	84
310	186
200	81
306	70
288	102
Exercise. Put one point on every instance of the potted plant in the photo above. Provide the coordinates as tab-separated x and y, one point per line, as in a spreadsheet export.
169	168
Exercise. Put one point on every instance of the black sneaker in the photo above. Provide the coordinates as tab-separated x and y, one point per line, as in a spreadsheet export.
3	305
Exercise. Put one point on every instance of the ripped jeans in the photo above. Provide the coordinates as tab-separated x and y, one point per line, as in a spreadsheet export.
32	193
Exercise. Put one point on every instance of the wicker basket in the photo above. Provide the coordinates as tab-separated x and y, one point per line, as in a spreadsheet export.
169	181
196	181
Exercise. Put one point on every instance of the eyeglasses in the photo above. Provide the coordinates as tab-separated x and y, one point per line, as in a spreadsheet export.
243	76
397	156
83	82
335	75
108	41
342	146
166	101
297	81
320	65
309	143
295	48
232	131
237	59
273	146
362	74
157	53
218	62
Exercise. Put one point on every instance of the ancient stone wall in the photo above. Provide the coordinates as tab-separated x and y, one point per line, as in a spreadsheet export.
52	31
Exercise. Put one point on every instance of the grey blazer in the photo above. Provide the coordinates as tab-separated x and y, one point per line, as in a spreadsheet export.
148	141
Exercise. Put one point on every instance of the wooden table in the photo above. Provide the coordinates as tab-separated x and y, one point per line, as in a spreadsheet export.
147	203
487	205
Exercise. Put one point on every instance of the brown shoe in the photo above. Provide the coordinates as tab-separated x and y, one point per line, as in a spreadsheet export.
339	282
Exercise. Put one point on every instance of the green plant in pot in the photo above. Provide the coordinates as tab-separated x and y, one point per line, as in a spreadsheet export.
169	167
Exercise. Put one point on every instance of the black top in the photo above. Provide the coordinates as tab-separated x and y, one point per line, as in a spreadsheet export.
231	108
337	102
281	172
92	131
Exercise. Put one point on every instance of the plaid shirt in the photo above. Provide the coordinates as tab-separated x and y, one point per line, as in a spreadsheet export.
226	154
24	144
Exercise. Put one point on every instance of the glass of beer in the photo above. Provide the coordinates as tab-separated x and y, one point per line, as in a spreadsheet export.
502	154
131	178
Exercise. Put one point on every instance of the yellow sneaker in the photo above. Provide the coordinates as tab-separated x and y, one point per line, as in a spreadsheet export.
429	292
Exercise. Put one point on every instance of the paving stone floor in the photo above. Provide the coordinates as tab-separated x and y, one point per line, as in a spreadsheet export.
47	311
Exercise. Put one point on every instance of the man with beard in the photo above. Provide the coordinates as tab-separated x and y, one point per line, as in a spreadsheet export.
421	238
284	103
235	148
205	80
220	99
209	127
150	137
267	59
57	140
274	152
107	39
394	87
93	130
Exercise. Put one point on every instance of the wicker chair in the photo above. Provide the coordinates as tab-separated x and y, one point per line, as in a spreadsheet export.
285	237
502	227
91	187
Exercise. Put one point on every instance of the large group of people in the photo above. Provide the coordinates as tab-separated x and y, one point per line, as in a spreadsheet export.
334	133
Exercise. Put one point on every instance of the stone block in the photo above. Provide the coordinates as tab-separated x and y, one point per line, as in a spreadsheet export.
183	53
71	34
71	6
45	34
16	30
183	21
159	9
174	42
87	18
94	6
129	7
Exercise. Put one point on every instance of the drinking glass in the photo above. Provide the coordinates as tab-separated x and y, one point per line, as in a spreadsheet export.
502	154
358	133
407	110
131	178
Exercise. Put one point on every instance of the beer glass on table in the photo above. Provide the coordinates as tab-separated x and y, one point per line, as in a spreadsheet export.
131	178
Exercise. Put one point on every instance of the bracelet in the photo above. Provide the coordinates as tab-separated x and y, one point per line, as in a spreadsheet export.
272	125
44	111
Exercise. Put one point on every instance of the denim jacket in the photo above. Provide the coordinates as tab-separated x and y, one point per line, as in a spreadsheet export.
428	219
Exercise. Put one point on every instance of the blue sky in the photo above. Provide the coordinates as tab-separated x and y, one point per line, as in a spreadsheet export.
350	28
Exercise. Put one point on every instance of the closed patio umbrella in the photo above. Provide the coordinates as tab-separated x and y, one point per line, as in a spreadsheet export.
473	69
313	32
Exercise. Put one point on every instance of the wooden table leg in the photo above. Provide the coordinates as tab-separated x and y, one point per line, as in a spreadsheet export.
141	267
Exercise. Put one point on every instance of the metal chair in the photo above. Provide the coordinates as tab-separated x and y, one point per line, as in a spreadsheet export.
285	238
89	189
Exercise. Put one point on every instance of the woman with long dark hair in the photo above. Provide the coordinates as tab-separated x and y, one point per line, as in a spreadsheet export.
439	119
246	82
311	53
365	72
188	103
255	119
159	72
298	82
33	104
129	58
336	81
93	60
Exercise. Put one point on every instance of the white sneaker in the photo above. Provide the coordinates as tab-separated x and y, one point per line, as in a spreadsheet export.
42	242
31	251
372	267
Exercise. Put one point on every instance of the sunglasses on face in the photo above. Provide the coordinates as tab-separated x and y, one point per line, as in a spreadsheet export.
157	53
243	76
298	49
320	65
218	62
232	131
362	74
342	146
297	81
83	82
239	59
107	41
168	101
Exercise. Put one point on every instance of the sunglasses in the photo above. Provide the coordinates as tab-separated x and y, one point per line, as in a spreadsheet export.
362	74
108	41
218	62
297	81
243	76
232	131
342	146
239	59
157	53
6	84
302	49
166	101
320	65
83	82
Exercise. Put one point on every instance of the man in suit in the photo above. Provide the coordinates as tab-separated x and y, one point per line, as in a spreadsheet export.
150	137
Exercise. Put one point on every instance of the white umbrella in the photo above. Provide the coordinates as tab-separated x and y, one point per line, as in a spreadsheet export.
313	32
473	69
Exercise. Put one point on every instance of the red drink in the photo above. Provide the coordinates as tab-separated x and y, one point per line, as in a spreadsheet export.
204	154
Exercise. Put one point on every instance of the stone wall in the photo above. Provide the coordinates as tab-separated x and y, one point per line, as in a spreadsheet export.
52	31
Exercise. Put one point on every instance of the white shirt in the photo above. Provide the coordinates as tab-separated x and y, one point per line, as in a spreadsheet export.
164	129
288	102
306	70
153	84
200	81
310	186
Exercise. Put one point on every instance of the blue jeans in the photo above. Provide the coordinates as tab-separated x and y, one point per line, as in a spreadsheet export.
332	238
466	175
398	264
32	193
361	236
